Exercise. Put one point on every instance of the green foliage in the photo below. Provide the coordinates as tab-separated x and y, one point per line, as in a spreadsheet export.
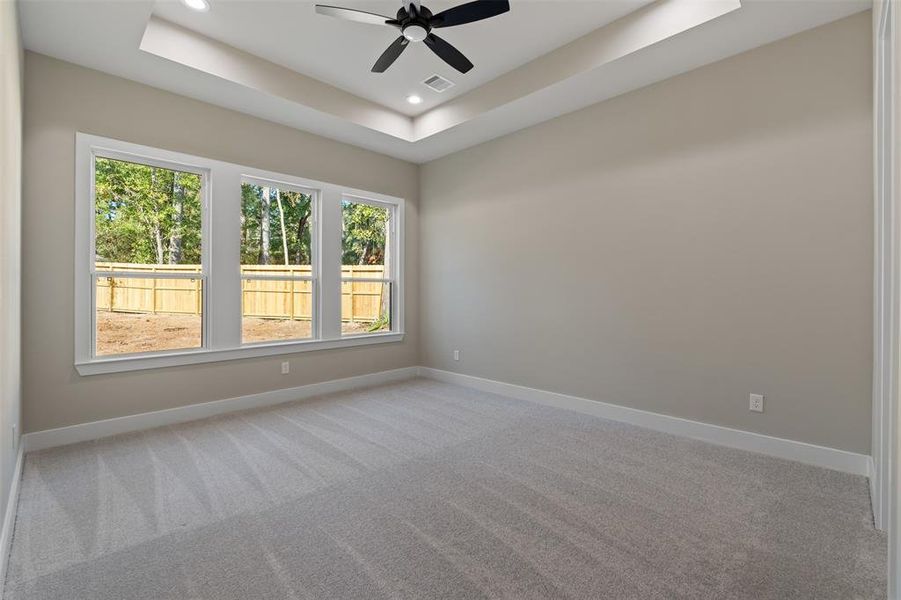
297	213
152	215
383	322
364	236
146	214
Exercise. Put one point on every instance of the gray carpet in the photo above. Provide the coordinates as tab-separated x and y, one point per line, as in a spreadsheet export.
424	490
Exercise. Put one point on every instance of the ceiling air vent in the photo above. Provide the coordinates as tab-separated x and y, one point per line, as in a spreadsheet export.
438	83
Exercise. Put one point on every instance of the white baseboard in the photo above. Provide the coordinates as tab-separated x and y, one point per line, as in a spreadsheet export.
9	517
83	432
820	456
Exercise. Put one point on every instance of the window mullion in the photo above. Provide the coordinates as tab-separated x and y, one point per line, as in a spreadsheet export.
329	228
222	257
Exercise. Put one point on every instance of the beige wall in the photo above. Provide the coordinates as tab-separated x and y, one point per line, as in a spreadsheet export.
675	248
672	249
61	99
10	240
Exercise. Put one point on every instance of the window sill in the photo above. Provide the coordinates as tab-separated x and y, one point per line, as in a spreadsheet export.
119	364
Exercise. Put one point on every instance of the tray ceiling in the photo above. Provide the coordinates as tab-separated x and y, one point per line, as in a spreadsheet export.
280	61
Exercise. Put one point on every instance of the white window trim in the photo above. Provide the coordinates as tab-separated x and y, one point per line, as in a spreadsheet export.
396	262
220	253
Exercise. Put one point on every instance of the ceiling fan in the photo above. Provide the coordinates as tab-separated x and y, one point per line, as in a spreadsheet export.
416	23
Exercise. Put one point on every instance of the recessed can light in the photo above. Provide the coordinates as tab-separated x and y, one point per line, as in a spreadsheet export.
198	5
414	99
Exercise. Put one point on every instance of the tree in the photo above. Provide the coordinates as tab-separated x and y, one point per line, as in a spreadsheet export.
364	239
299	209
178	198
290	242
144	214
281	220
264	227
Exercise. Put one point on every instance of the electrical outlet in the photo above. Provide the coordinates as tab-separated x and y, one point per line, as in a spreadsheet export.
286	368
756	403
456	355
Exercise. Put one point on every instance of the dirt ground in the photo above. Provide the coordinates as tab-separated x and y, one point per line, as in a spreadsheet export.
120	333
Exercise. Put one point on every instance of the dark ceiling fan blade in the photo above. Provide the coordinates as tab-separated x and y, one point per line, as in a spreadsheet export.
353	15
448	53
390	55
469	12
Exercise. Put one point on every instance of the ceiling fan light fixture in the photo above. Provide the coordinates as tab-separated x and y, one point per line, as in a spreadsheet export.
415	33
416	23
198	5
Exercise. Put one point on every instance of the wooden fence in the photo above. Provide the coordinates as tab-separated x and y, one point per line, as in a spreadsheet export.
361	301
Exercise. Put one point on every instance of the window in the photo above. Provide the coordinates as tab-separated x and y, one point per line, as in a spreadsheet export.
181	259
148	273
277	275
366	241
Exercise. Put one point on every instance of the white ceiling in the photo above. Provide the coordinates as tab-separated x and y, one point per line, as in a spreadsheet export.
507	90
341	53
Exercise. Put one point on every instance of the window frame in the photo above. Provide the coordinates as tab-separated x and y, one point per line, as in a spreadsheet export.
391	243
221	264
315	265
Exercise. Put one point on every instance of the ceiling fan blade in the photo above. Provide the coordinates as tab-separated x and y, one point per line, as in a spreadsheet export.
448	53
390	55
353	15
470	12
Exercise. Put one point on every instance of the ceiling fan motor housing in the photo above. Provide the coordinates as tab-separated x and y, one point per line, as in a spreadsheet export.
415	25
